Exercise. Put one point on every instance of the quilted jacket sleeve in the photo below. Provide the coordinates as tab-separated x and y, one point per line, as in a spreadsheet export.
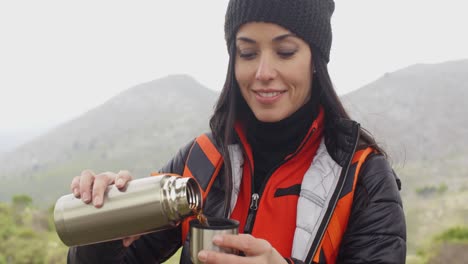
377	230
150	248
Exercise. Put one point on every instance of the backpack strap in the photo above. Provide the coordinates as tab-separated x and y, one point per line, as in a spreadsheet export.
203	163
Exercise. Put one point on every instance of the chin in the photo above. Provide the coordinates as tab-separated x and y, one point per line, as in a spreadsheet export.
269	117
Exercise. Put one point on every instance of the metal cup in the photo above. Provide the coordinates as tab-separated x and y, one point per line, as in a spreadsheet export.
201	236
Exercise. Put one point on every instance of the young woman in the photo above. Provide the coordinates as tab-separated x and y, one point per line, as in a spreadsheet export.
306	183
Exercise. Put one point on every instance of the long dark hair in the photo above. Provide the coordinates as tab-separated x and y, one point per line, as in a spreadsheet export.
332	104
232	106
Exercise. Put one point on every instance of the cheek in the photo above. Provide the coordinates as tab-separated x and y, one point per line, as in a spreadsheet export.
238	74
242	77
301	81
304	79
306	90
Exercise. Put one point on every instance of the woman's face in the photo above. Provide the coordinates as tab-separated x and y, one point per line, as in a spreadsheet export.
273	70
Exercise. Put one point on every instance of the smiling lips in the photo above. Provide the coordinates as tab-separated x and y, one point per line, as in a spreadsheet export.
268	96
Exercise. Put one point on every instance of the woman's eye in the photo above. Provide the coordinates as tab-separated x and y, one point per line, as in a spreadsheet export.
286	54
247	55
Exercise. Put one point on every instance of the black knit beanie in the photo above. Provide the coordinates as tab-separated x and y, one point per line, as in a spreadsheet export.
308	19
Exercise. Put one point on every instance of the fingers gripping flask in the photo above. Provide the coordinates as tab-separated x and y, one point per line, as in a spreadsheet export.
145	205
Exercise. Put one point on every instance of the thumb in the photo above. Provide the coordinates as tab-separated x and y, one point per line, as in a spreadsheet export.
129	240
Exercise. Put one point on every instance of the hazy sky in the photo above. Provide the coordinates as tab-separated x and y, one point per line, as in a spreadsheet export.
59	58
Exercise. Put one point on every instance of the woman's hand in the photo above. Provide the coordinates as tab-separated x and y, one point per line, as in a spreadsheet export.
91	187
256	250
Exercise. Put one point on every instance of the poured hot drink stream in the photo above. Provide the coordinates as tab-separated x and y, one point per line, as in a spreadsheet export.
200	216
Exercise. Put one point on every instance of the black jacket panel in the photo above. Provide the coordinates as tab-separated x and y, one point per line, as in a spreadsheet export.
376	230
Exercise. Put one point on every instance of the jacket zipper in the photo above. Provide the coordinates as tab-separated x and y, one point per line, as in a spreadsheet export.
255	197
309	257
252	213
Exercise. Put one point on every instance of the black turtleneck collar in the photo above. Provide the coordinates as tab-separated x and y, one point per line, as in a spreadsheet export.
271	142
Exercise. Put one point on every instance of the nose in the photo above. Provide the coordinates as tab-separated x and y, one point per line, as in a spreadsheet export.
265	70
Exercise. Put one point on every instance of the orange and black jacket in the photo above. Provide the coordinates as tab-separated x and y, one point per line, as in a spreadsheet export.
374	233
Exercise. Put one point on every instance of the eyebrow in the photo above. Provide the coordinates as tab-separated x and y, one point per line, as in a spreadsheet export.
275	39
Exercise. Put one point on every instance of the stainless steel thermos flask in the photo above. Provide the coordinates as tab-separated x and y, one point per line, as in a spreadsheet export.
145	205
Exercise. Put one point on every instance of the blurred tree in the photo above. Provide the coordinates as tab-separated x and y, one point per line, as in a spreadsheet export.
450	253
455	234
26	246
26	234
6	223
19	205
451	246
21	201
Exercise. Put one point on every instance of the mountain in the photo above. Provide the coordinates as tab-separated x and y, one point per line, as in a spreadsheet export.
418	113
9	140
138	130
